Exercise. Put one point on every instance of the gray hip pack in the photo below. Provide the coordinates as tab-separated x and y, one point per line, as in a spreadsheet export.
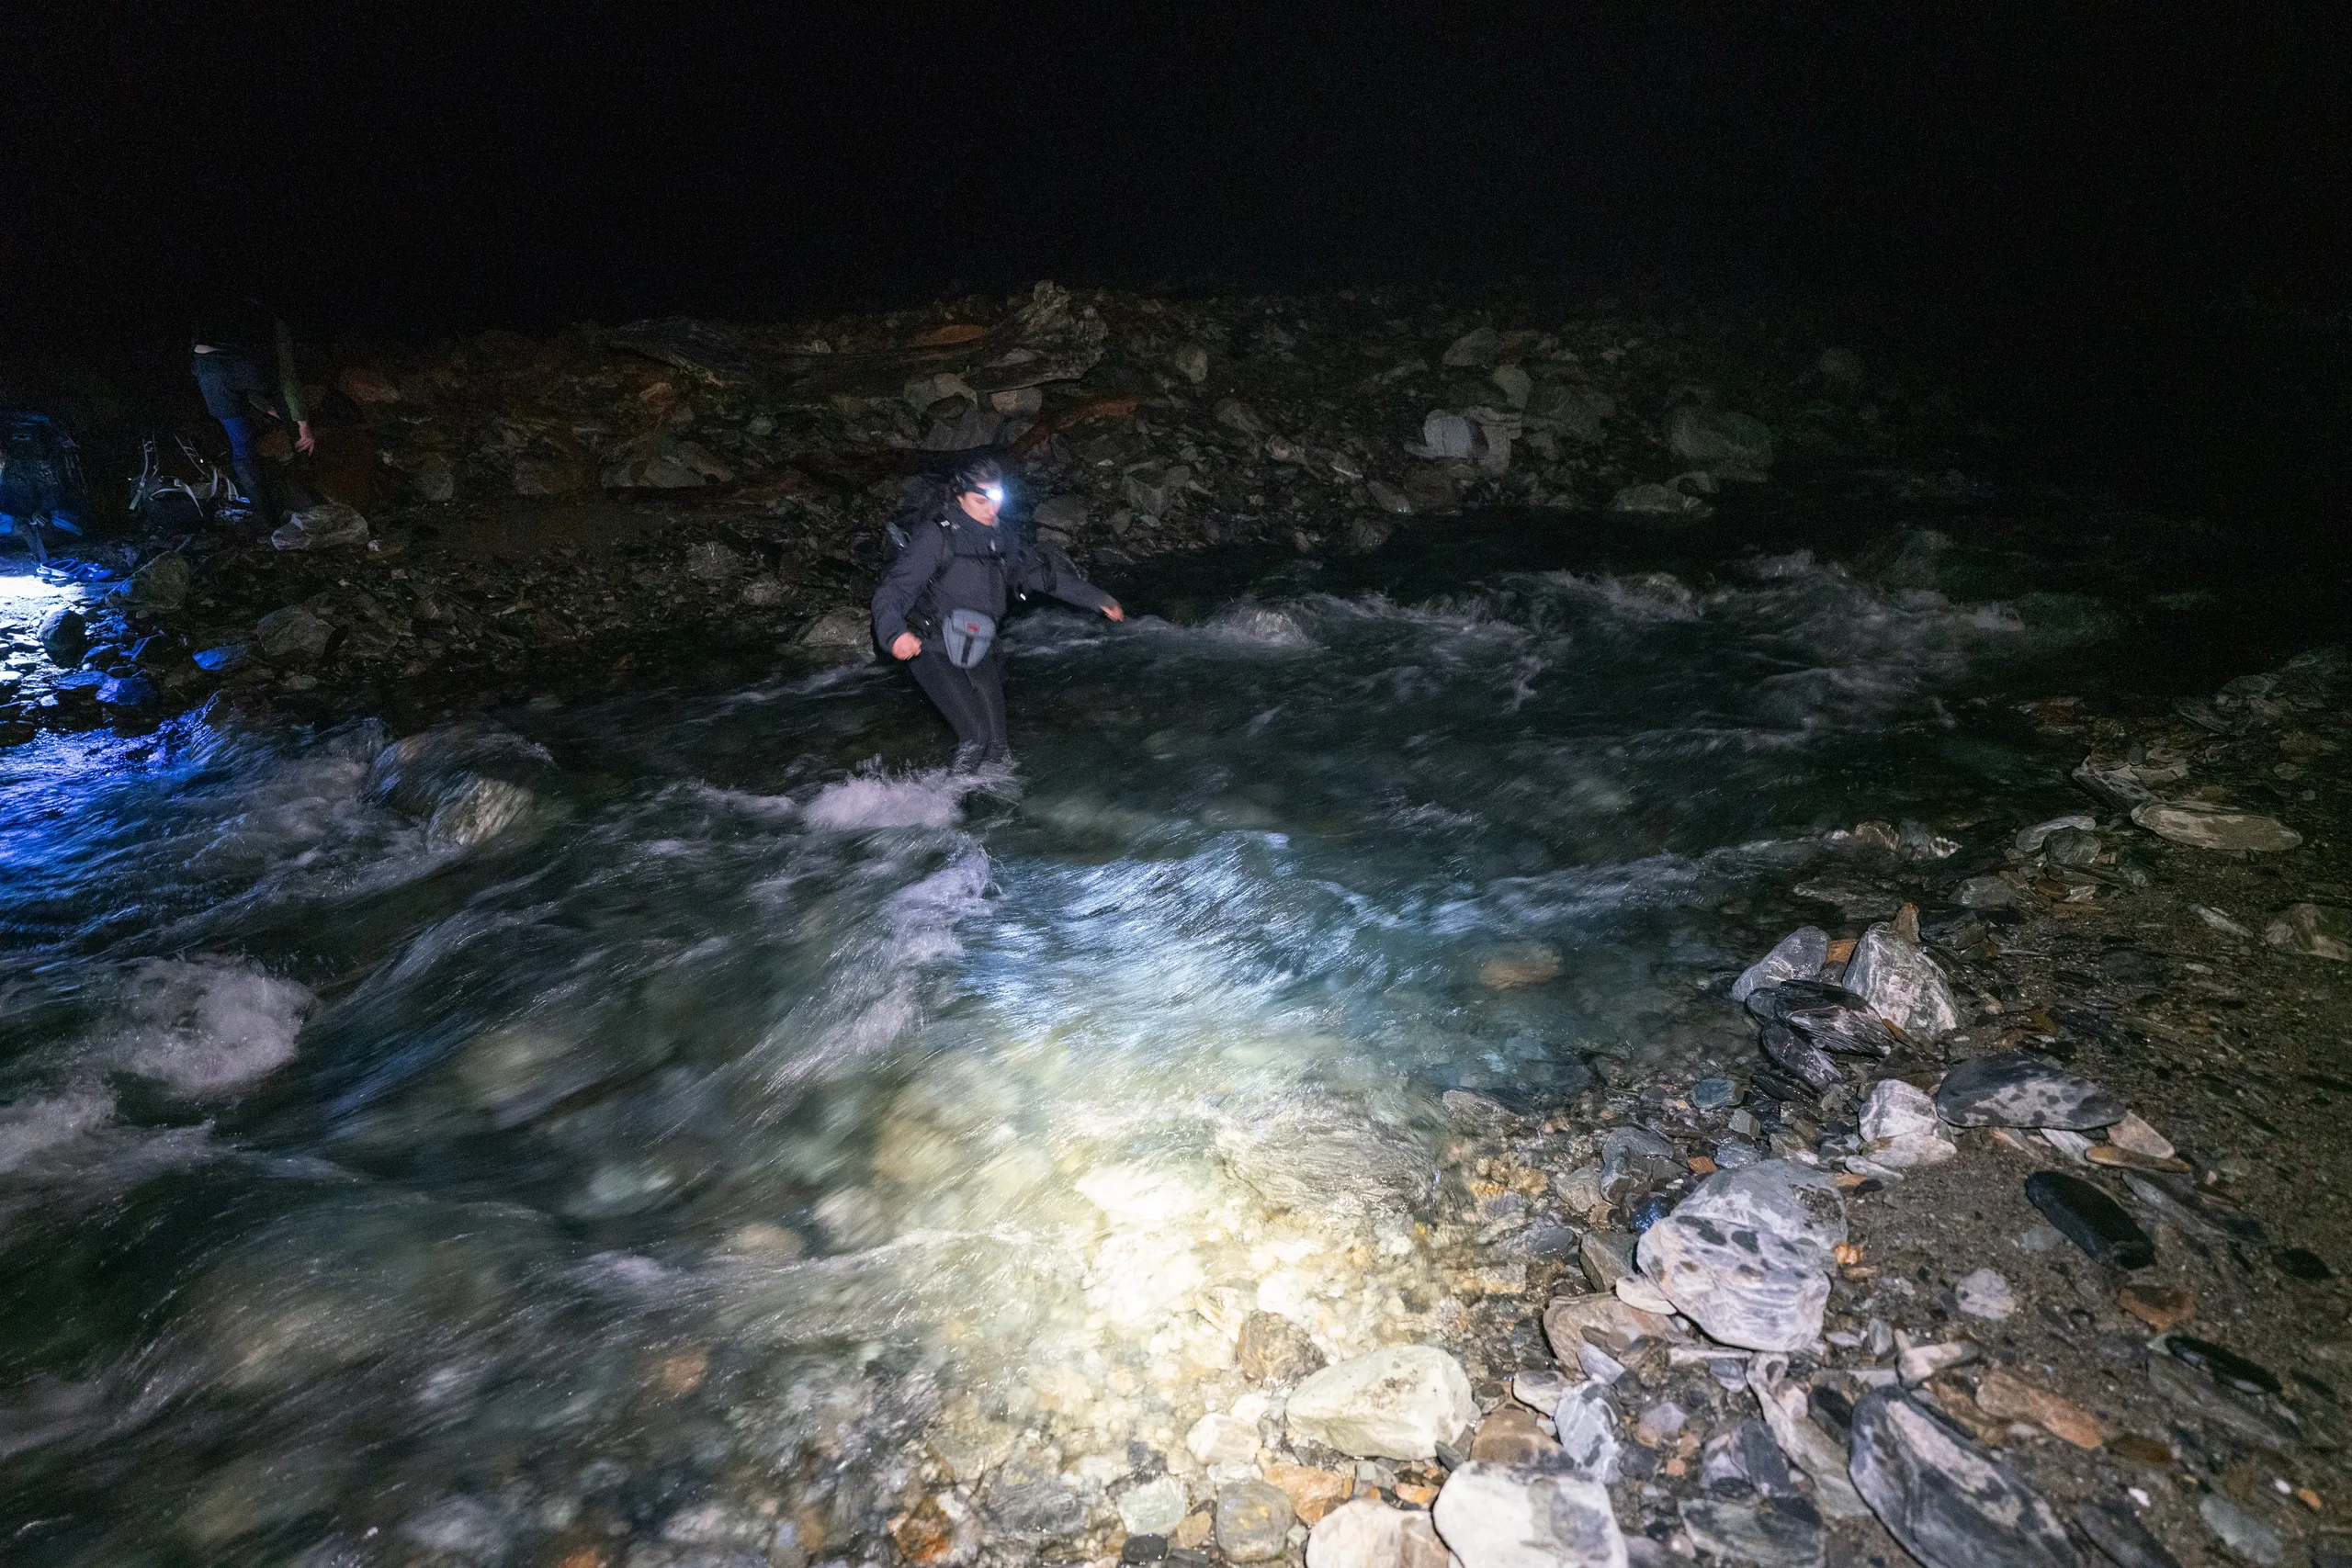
967	636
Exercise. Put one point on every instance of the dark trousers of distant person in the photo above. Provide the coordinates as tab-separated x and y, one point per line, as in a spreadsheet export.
225	377
972	700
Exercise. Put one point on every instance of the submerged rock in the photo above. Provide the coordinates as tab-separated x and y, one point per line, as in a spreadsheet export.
2016	1089
1399	1402
1320	1156
1253	1521
1796	957
1949	1501
2090	1219
1494	1515
1274	1350
2206	827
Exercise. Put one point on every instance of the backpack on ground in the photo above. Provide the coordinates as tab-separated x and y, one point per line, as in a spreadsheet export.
40	473
176	491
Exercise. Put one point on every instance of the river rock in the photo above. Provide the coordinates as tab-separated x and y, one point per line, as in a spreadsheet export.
291	636
1796	957
1253	1521
2246	1537
1743	1255
1829	1016
1571	1323
161	584
2017	1089
1155	1507
64	636
2090	1219
2257	1420
2223	1365
1984	1294
1633	1158
1399	1402
1949	1502
1217	1439
1736	444
1807	1064
1787	1408
1769	1537
1494	1515
1902	985
1586	1420
1509	1436
1368	1534
2314	931
1319	1156
2120	1535
1028	1498
322	527
1902	1129
1274	1350
2207	826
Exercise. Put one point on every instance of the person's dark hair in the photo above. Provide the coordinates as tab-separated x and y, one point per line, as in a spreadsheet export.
974	474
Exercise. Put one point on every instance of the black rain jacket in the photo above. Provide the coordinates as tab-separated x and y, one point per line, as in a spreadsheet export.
955	562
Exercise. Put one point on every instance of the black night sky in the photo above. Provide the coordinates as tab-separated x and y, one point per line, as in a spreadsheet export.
408	169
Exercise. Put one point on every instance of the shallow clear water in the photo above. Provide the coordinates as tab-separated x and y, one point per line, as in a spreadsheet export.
656	1112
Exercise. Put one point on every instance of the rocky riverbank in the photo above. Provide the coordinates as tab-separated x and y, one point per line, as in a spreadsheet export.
487	516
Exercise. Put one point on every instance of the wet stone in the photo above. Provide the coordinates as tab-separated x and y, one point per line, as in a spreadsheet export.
2090	1219
1253	1521
1949	1502
2120	1537
1828	1016
1274	1350
1027	1497
1631	1158
2019	1090
1805	1063
1744	1286
1902	985
1153	1508
1768	1536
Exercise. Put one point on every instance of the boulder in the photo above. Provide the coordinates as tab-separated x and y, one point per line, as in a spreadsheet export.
1399	1402
1494	1516
1951	1504
844	635
1796	957
2016	1089
1902	985
1720	440
64	636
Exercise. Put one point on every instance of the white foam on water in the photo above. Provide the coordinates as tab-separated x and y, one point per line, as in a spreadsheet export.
41	1126
931	799
208	1029
1267	627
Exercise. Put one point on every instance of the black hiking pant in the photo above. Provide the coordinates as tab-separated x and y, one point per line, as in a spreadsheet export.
972	700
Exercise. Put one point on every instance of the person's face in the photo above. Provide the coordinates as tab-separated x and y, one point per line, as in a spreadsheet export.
981	506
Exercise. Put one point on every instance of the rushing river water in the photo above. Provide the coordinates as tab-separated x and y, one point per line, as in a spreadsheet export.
648	1115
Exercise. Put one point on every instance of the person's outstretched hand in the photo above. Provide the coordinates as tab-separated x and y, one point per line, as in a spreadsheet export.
906	645
303	440
1113	611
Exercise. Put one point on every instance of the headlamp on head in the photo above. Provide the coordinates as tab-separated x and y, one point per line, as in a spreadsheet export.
994	492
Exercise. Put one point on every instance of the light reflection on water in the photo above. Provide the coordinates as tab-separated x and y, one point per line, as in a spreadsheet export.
649	1107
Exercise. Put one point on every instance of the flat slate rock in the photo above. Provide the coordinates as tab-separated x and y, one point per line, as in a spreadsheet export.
1739	1532
1902	985
2016	1089
2090	1219
2204	827
2120	1537
1951	1504
2223	1365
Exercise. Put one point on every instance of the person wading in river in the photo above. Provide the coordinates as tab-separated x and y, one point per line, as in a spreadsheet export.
937	607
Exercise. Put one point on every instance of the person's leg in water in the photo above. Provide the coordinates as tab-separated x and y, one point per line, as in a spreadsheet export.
950	691
987	692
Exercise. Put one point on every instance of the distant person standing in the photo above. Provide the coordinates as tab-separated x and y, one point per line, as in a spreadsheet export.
232	347
937	606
